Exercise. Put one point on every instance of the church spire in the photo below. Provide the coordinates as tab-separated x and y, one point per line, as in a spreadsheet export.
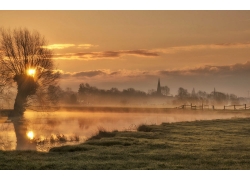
159	87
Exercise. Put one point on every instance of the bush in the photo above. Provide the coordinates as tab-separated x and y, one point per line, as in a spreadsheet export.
144	128
103	133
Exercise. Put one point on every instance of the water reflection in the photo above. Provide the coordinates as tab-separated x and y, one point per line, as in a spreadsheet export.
68	128
7	136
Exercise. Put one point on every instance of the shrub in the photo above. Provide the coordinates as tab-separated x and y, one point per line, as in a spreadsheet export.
103	133
144	128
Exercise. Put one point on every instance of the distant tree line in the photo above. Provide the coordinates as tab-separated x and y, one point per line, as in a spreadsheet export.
58	95
214	97
88	94
91	95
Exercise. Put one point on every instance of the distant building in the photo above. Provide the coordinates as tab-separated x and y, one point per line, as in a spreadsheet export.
161	90
159	87
193	94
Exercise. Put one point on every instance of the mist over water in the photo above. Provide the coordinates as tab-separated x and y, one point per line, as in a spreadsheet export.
75	126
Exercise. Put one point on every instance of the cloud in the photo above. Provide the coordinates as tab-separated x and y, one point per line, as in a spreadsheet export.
176	49
105	54
146	53
205	70
86	46
59	46
139	52
83	74
64	46
89	73
234	69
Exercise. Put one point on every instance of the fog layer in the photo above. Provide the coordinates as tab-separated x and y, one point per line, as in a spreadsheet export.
83	125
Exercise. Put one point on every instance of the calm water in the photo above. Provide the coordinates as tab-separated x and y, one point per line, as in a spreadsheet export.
61	128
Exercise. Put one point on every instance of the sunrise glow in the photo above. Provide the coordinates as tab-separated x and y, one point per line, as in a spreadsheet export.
104	89
31	72
30	135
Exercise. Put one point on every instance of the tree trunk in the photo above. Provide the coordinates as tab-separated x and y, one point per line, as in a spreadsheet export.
16	116
19	106
26	87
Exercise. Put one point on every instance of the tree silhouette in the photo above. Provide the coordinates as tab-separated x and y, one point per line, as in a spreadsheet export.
182	93
165	90
25	60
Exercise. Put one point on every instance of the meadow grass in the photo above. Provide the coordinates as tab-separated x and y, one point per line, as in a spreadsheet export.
213	144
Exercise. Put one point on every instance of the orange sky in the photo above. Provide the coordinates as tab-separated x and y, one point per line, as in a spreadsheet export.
190	49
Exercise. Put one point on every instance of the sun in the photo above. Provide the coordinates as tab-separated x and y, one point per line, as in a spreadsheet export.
31	72
30	135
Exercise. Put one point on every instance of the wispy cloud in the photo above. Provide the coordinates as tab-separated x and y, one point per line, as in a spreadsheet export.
105	54
64	46
86	46
176	49
82	74
89	73
59	46
139	52
230	70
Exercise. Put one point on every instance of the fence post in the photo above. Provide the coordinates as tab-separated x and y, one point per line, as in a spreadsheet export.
245	106
234	107
224	107
202	106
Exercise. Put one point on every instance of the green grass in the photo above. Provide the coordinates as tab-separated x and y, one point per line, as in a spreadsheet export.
216	144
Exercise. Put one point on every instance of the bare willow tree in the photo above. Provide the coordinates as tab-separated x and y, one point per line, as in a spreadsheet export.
26	62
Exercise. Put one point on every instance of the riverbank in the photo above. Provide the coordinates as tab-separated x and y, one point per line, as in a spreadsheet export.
213	144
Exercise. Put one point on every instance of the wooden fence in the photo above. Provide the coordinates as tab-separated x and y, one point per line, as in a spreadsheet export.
206	106
237	107
191	106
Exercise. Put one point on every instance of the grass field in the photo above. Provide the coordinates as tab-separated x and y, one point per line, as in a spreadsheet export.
214	144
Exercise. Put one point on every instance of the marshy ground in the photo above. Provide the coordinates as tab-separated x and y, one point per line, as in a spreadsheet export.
206	144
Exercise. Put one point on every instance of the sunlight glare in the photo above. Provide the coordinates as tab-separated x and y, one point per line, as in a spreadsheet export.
30	135
31	72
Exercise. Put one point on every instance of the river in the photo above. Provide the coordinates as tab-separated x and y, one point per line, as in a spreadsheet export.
73	127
